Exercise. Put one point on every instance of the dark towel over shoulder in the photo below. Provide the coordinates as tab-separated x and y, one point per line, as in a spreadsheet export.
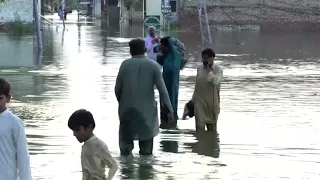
190	107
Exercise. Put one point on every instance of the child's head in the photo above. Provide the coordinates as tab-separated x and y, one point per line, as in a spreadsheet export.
81	122
5	95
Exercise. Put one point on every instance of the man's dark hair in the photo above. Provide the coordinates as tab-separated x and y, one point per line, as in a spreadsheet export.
165	41
80	118
5	87
137	47
209	52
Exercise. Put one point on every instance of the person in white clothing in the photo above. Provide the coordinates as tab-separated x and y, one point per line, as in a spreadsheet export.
14	155
151	42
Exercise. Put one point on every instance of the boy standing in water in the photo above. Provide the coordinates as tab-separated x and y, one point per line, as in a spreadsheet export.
95	156
14	155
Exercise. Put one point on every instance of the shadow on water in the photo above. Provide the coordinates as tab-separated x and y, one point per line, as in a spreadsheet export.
207	144
168	143
269	105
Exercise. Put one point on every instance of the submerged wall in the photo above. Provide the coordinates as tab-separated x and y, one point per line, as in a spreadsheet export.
11	9
16	52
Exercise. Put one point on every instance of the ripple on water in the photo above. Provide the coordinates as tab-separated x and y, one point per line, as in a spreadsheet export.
267	126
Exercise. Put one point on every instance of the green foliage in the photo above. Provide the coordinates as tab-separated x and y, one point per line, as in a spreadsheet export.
18	27
174	26
1	1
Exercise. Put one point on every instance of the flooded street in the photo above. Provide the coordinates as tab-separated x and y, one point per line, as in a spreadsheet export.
270	101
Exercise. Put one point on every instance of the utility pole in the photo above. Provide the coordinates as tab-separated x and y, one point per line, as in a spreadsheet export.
63	9
79	7
204	24
37	22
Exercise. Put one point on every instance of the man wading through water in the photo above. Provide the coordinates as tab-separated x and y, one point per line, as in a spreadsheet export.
206	95
134	90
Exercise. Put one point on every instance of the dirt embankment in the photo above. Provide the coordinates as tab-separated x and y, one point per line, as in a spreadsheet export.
273	15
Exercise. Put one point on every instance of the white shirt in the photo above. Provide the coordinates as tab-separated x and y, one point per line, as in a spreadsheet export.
14	155
150	46
95	157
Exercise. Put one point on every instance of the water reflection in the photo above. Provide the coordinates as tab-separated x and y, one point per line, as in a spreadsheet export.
79	38
146	171
127	171
33	95
269	106
139	167
168	142
39	60
169	146
207	144
16	52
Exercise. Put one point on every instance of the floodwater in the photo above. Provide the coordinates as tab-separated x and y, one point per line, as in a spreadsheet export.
270	101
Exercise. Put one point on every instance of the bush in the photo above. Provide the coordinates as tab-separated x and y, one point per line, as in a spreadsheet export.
19	27
174	27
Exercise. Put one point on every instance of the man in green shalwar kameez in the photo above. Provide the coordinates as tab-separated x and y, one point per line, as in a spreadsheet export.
134	90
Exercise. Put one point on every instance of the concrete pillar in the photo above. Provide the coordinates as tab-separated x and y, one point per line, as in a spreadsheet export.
113	15
97	9
40	6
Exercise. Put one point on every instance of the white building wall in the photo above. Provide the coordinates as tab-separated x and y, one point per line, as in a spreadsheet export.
11	8
153	8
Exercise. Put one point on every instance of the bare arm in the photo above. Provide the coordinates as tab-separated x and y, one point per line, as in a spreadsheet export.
118	86
164	96
109	161
21	144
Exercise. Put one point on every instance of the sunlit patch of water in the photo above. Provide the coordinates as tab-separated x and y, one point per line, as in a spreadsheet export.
267	127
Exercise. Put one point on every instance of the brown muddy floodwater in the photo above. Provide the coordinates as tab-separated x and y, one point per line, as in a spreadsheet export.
269	125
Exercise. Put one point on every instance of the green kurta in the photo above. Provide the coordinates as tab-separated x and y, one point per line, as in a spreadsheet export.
134	90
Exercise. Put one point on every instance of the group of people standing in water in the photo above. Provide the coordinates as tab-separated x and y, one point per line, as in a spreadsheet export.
134	89
138	109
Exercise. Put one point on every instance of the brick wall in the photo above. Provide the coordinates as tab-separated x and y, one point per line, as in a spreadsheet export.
269	14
